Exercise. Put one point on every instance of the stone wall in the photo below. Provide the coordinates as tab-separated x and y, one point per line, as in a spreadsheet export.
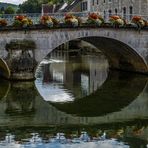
139	6
126	49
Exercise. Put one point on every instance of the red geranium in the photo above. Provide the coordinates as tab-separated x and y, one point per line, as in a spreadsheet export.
93	16
68	16
115	17
19	17
136	18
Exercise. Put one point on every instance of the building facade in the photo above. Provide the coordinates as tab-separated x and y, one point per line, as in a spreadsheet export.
85	5
124	7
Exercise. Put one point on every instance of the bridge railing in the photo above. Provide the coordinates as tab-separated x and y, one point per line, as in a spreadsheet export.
60	16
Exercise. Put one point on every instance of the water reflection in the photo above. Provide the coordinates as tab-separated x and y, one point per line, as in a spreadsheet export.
115	94
67	80
4	88
83	86
113	137
95	108
20	100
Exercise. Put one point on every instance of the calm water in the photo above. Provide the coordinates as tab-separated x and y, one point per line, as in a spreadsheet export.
76	101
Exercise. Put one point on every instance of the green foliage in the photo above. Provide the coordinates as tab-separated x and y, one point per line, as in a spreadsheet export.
31	6
9	10
21	44
35	6
7	7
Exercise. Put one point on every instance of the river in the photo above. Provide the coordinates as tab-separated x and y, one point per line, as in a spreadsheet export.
75	101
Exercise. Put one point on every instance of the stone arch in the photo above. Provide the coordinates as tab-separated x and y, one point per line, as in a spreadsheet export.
120	54
4	69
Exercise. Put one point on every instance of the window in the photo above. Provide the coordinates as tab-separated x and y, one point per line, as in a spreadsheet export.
109	12
97	2
116	11
84	6
93	2
124	12
131	11
104	14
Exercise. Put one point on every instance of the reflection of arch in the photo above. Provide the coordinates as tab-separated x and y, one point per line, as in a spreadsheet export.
4	69
21	98
4	88
116	93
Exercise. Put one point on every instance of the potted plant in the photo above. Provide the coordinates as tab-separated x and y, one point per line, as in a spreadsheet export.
47	21
117	21
22	21
139	21
95	18
71	20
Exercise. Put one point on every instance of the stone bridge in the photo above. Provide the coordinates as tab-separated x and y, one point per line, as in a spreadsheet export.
125	48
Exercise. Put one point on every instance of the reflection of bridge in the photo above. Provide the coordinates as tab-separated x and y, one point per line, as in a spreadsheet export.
125	48
26	108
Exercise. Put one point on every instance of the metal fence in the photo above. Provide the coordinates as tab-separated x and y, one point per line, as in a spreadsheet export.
35	17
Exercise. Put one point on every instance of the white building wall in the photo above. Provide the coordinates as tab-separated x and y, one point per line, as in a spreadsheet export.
139	6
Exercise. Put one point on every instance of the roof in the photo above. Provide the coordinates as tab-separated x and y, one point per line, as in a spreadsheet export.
46	8
71	5
64	7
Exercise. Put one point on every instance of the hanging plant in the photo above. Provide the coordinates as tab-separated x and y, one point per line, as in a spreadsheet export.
95	18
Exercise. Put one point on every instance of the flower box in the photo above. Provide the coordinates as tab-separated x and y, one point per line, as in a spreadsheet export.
22	21
95	18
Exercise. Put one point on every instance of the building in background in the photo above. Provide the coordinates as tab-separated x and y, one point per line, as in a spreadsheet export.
86	5
73	6
123	7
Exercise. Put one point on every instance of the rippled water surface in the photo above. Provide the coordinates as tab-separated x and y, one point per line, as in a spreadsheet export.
76	101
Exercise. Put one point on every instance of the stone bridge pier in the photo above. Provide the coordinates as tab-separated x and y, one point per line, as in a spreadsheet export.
125	48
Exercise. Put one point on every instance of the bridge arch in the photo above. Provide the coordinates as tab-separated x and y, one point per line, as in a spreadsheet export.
125	48
120	55
120	47
4	69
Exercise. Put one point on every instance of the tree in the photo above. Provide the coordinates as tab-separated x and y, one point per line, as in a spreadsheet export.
35	6
9	10
31	6
2	10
